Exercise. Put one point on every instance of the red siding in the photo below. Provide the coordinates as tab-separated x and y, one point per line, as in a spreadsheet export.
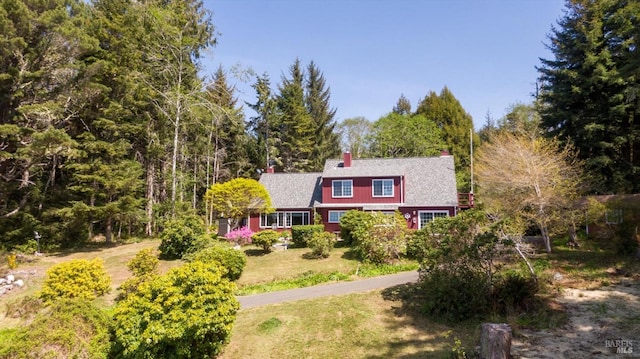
362	191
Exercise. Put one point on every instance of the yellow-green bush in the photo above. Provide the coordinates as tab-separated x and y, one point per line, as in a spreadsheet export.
78	278
321	244
265	239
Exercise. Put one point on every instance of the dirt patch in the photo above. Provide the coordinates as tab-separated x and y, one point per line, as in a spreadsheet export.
600	321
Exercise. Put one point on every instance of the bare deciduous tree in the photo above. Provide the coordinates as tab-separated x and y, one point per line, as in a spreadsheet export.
524	175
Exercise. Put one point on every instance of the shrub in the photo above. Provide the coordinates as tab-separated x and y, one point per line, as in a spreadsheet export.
180	235
353	223
513	291
240	236
625	237
187	313
266	239
381	238
321	244
78	278
143	263
302	234
233	261
453	296
71	328
144	267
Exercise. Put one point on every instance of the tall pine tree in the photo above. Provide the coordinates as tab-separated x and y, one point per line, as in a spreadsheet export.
589	90
327	140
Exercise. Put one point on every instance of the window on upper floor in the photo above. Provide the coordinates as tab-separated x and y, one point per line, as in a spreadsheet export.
342	188
382	188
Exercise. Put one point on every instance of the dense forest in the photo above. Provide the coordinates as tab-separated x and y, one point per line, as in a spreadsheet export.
109	124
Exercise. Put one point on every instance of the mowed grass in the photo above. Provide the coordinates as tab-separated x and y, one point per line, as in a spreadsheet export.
374	324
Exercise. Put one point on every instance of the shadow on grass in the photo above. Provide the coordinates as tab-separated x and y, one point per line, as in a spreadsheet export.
427	339
255	252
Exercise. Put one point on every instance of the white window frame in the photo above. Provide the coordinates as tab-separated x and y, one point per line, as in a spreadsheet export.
383	180
342	195
283	219
338	213
434	215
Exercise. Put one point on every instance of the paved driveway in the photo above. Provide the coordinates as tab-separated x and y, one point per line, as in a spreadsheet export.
363	285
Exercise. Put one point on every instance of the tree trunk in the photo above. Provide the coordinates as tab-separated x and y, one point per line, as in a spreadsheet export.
545	237
149	193
495	341
107	232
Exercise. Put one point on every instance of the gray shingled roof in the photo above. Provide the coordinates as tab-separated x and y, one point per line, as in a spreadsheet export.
430	181
293	190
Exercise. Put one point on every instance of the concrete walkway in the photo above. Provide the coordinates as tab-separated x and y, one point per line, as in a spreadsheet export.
323	290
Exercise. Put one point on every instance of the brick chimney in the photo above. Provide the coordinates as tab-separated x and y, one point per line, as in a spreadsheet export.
347	159
444	153
271	169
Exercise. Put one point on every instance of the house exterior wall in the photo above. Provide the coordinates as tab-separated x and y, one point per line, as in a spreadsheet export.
411	214
254	220
362	191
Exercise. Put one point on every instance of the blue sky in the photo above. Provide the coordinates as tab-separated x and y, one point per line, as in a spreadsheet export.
372	51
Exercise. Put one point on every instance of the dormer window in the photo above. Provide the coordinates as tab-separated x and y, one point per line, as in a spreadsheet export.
382	188
342	188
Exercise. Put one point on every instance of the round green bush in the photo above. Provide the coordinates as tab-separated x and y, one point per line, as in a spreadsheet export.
78	278
187	313
265	239
232	260
180	236
321	244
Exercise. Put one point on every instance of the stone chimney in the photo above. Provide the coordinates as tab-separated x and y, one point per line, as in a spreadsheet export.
347	159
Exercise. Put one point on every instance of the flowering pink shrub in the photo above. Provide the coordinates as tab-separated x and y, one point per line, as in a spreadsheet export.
240	236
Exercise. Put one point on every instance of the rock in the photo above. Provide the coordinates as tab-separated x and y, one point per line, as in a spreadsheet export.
557	276
2	281
19	283
10	278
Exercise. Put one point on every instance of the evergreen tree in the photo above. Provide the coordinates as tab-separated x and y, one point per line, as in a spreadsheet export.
457	128
263	125
403	106
327	141
588	92
296	128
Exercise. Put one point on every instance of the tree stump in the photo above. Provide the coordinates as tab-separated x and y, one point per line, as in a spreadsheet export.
495	341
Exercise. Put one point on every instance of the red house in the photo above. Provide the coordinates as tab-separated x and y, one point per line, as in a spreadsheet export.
421	188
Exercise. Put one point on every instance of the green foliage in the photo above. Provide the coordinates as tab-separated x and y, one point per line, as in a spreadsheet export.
144	266
301	235
353	223
626	237
71	328
189	313
398	135
306	279
455	126
78	278
180	236
455	295
589	90
379	238
513	291
238	198
143	263
266	239
232	260
12	261
321	244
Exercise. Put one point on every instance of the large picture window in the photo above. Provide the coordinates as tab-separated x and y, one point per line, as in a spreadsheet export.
342	188
428	216
382	188
334	216
284	219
